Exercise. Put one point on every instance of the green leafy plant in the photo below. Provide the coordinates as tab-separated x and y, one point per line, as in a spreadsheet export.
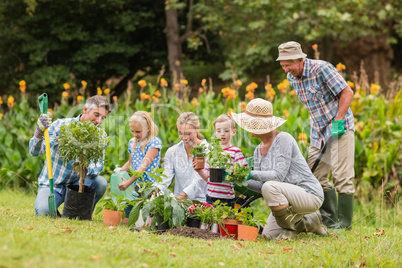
168	207
199	150
205	212
192	211
217	158
248	218
225	212
238	174
81	143
146	191
109	203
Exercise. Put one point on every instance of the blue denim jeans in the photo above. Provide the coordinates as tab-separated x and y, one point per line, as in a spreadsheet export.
98	183
229	202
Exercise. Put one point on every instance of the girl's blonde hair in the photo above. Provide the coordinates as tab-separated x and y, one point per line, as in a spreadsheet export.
191	119
144	119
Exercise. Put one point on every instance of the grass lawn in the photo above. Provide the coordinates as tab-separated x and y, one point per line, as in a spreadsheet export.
30	241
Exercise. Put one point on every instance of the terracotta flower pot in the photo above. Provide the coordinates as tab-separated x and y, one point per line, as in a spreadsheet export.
247	233
112	218
230	226
199	162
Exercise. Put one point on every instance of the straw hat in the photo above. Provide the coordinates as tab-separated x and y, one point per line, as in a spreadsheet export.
258	117
290	51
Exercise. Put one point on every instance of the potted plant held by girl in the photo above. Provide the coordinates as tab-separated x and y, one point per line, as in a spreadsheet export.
199	152
218	161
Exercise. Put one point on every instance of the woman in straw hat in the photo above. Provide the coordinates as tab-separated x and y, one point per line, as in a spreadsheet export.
282	175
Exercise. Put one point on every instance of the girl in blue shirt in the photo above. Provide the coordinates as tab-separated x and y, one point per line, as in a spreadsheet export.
144	149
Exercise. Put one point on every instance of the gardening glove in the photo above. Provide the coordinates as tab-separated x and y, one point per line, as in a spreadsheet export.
44	122
249	177
337	129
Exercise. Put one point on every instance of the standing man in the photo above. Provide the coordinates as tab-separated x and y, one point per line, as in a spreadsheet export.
327	97
95	110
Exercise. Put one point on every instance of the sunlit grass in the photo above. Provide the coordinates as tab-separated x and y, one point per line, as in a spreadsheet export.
30	241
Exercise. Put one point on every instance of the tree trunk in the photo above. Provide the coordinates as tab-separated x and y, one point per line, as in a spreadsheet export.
374	51
174	45
82	180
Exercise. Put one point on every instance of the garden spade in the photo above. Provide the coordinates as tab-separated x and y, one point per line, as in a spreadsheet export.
42	100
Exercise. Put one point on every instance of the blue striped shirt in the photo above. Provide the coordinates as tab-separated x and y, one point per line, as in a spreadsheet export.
318	89
62	174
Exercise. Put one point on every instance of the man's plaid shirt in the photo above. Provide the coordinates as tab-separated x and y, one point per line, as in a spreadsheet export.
62	174
318	89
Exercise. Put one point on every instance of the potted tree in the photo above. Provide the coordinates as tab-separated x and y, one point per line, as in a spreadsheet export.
218	161
79	144
112	208
251	224
199	152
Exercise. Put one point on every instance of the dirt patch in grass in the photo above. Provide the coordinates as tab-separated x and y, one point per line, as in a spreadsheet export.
193	232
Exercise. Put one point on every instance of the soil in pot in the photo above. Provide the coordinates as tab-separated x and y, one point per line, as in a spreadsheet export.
112	218
191	222
78	205
199	162
216	174
247	233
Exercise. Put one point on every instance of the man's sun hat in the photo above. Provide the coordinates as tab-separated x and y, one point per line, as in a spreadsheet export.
290	51
258	117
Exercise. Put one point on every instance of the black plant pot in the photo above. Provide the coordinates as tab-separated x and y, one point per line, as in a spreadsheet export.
191	222
79	205
162	225
216	174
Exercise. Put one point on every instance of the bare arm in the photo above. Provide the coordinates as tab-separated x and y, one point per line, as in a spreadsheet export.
202	172
126	166
149	157
344	103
